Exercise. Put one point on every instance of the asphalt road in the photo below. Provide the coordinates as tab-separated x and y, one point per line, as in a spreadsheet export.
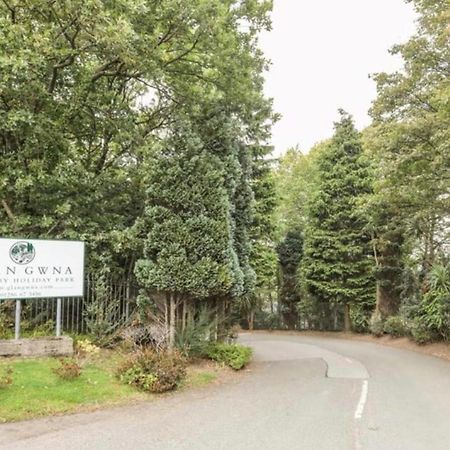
301	392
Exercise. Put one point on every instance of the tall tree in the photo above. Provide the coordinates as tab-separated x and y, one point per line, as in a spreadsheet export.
88	87
263	257
295	178
388	230
290	252
412	133
409	144
189	251
337	266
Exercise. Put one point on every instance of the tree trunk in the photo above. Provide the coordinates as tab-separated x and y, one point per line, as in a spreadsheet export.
271	301
223	323
387	297
389	268
172	322
347	320
251	320
190	315
183	315
216	328
166	315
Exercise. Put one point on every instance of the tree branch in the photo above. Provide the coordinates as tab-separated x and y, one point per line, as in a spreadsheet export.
67	62
102	71
8	211
185	53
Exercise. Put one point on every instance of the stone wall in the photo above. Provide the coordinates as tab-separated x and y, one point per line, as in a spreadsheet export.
51	346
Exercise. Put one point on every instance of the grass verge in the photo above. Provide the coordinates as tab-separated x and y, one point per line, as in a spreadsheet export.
37	391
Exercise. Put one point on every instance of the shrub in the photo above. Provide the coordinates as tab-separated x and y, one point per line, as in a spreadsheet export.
86	348
194	339
6	378
153	371
420	333
396	326
234	355
6	321
376	324
360	318
136	376
44	329
102	313
435	309
68	369
267	321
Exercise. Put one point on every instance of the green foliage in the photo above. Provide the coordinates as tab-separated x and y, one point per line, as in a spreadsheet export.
242	217
136	376
153	371
396	326
6	377
434	309
90	88
37	392
68	369
290	253
29	328
296	178
263	256
189	241
6	323
409	141
360	316
337	265
45	329
268	321
102	313
420	332
195	338
234	355
376	324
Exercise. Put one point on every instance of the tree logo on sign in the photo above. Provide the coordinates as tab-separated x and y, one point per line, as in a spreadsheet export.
22	252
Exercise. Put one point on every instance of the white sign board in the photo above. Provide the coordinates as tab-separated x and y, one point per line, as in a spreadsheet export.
33	268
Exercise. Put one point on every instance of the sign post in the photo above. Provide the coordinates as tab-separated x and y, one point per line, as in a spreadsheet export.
17	321
41	269
58	317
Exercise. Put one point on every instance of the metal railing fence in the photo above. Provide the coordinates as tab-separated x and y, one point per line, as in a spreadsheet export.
108	300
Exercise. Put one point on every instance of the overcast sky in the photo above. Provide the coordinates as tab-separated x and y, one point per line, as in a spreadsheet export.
322	52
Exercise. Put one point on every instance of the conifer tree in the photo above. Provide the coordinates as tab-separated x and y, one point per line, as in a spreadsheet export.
188	248
290	252
338	266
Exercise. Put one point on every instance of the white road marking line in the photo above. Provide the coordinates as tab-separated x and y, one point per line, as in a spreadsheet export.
362	400
349	360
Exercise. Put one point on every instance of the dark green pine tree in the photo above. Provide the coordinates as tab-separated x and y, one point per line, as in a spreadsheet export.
224	137
188	249
338	265
259	231
263	256
243	200
290	253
